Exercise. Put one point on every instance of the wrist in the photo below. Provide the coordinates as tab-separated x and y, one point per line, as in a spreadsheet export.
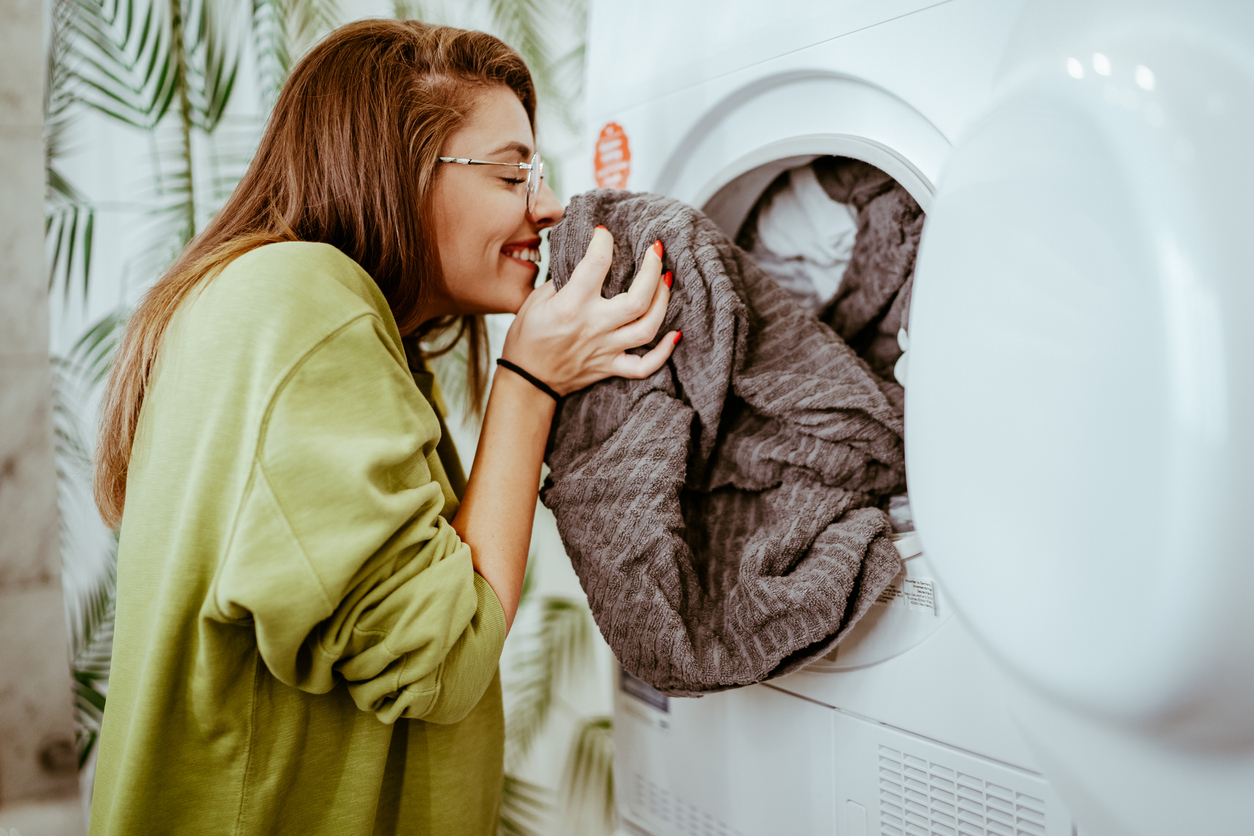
526	375
527	396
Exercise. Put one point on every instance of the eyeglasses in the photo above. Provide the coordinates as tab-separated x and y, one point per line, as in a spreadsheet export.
534	169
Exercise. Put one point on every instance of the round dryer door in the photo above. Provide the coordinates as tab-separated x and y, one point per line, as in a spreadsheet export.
1080	402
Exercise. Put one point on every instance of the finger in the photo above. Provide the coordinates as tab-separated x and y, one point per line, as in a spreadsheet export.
589	274
638	366
635	302
645	329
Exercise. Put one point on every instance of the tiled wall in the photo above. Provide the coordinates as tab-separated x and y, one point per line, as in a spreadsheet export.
37	757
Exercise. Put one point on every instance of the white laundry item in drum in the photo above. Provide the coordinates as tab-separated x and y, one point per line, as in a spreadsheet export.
797	276
901	367
805	239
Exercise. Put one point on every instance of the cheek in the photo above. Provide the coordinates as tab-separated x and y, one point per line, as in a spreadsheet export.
461	260
447	216
471	230
472	225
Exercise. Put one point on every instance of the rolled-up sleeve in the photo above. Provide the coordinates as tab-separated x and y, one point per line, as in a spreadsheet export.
340	558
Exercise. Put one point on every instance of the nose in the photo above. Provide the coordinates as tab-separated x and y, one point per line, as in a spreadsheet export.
547	209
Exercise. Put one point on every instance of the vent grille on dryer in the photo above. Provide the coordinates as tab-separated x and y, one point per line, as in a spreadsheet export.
922	798
674	813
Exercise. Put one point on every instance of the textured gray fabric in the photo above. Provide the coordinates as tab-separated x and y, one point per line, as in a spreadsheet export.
874	296
720	514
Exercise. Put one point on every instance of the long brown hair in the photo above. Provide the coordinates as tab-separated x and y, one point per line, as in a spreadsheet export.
348	158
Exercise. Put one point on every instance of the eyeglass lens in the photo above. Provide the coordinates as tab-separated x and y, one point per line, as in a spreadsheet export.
534	175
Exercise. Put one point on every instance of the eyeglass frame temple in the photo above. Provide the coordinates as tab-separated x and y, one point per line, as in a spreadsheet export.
528	167
468	161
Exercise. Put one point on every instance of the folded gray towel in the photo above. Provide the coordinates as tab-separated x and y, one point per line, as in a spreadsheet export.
720	514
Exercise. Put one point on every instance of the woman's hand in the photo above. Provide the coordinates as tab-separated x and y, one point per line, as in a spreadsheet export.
574	337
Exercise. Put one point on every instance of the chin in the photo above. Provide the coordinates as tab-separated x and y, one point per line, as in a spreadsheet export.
504	304
518	296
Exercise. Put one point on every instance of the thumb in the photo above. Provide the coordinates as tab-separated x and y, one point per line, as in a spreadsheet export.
589	274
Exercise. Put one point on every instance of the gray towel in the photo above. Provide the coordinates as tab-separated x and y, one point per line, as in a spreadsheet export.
874	296
721	513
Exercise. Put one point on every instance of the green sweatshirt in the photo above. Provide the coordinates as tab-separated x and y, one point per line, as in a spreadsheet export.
302	645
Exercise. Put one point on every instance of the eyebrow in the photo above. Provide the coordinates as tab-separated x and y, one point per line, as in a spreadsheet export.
515	146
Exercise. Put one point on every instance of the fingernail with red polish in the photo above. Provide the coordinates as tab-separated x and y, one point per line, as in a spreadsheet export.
599	226
678	334
668	278
657	248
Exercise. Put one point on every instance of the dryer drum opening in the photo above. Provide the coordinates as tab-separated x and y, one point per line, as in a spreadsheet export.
842	236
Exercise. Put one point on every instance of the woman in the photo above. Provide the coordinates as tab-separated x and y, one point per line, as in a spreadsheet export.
309	621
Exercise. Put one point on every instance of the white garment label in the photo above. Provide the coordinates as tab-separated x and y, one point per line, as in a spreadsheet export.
911	593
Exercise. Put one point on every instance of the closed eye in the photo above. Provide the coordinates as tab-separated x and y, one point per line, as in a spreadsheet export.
514	181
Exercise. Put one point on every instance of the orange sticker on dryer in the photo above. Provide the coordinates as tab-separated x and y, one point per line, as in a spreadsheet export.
612	161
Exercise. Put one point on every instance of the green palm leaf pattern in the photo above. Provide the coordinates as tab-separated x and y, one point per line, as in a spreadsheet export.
126	66
137	63
71	455
524	25
69	225
588	781
92	355
69	219
211	37
520	23
283	30
559	647
524	807
91	651
90	616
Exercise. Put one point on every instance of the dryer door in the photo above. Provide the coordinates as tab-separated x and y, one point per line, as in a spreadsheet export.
1081	397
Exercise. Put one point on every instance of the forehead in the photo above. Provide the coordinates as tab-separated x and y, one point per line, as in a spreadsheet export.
497	127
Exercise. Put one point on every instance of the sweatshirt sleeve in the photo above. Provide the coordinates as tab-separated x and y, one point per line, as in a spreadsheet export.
340	557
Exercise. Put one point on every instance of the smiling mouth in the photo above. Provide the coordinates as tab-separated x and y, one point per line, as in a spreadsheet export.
523	253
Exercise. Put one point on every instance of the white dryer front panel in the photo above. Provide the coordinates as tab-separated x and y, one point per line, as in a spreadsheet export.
1080	398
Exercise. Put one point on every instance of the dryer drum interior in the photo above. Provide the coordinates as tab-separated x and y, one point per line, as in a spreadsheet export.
842	235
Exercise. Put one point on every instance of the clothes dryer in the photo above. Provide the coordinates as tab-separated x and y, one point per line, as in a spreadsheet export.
1077	385
906	725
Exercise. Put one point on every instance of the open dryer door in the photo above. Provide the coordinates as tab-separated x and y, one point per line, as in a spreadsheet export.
1080	408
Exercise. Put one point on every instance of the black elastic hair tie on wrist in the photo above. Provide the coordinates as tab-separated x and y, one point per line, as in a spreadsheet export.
530	378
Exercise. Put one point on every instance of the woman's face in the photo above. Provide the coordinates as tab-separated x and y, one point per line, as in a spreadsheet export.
489	245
